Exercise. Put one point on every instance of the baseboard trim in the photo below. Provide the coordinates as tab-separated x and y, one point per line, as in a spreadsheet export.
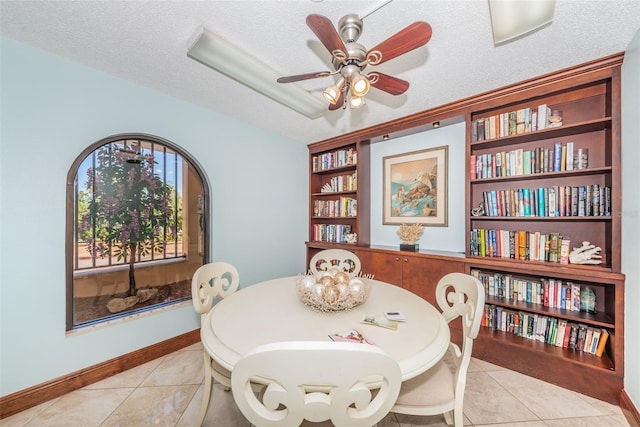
33	396
630	411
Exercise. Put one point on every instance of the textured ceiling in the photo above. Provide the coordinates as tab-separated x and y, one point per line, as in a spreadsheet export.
146	42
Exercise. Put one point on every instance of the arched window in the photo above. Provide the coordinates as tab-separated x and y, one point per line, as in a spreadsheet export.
136	228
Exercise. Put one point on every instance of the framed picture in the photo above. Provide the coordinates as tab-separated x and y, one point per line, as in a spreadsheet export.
415	187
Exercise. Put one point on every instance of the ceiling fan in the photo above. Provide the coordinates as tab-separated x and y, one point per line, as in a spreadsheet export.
350	58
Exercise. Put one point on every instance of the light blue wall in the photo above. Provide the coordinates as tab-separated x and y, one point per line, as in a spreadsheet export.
631	215
450	238
51	109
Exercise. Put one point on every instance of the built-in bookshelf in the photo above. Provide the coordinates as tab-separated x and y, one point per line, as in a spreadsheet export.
338	172
543	172
543	162
562	313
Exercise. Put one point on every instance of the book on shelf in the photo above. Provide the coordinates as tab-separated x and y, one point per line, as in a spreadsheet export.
351	335
473	173
587	300
582	159
567	335
570	156
565	248
581	335
479	130
604	336
520	123
543	116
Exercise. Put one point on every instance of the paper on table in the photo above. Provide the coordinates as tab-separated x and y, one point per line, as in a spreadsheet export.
370	319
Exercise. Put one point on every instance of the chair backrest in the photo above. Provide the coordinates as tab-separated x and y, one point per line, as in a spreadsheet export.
341	259
462	295
316	381
211	281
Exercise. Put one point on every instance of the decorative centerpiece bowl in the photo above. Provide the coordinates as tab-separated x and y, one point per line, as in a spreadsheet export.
332	290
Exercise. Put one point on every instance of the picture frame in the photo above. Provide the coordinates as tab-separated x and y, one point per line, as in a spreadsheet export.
415	187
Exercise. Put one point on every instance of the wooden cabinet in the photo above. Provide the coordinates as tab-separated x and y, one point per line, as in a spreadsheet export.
416	272
339	192
534	197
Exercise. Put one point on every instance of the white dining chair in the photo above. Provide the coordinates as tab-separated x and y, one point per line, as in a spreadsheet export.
440	390
341	259
211	282
316	381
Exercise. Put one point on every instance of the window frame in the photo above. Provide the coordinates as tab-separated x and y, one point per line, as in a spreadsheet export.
70	223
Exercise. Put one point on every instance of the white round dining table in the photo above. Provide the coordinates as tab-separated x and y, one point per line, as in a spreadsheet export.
271	311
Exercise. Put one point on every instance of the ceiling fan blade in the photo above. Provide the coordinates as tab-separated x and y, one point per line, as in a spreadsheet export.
387	83
327	34
414	36
339	103
290	79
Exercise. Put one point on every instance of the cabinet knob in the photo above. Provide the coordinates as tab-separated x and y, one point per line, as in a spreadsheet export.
397	259
406	260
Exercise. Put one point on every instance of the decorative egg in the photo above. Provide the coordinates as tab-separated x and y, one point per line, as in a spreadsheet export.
355	286
318	291
327	281
341	277
330	294
308	283
333	271
343	288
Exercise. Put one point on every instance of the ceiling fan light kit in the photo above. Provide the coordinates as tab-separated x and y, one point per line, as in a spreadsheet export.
512	19
219	54
349	59
356	101
332	92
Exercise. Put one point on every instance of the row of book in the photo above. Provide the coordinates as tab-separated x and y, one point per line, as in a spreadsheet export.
334	159
519	245
516	122
584	200
332	233
546	329
547	292
562	157
342	207
341	183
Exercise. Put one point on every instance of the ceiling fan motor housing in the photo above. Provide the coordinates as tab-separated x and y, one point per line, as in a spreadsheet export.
356	54
350	28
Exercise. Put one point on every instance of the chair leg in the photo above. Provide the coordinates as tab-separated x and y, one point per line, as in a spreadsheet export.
448	418
208	385
458	415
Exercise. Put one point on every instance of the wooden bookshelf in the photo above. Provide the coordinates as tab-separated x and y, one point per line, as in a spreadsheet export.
339	192
589	97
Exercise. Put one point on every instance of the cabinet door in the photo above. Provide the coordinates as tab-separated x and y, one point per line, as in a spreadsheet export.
384	267
421	275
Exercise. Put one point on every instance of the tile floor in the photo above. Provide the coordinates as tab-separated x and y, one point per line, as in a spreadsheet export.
167	392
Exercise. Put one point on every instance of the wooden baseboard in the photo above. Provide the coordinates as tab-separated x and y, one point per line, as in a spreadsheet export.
631	413
33	396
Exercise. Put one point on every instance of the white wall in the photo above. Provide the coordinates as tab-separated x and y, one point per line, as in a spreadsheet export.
51	110
450	238
631	215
